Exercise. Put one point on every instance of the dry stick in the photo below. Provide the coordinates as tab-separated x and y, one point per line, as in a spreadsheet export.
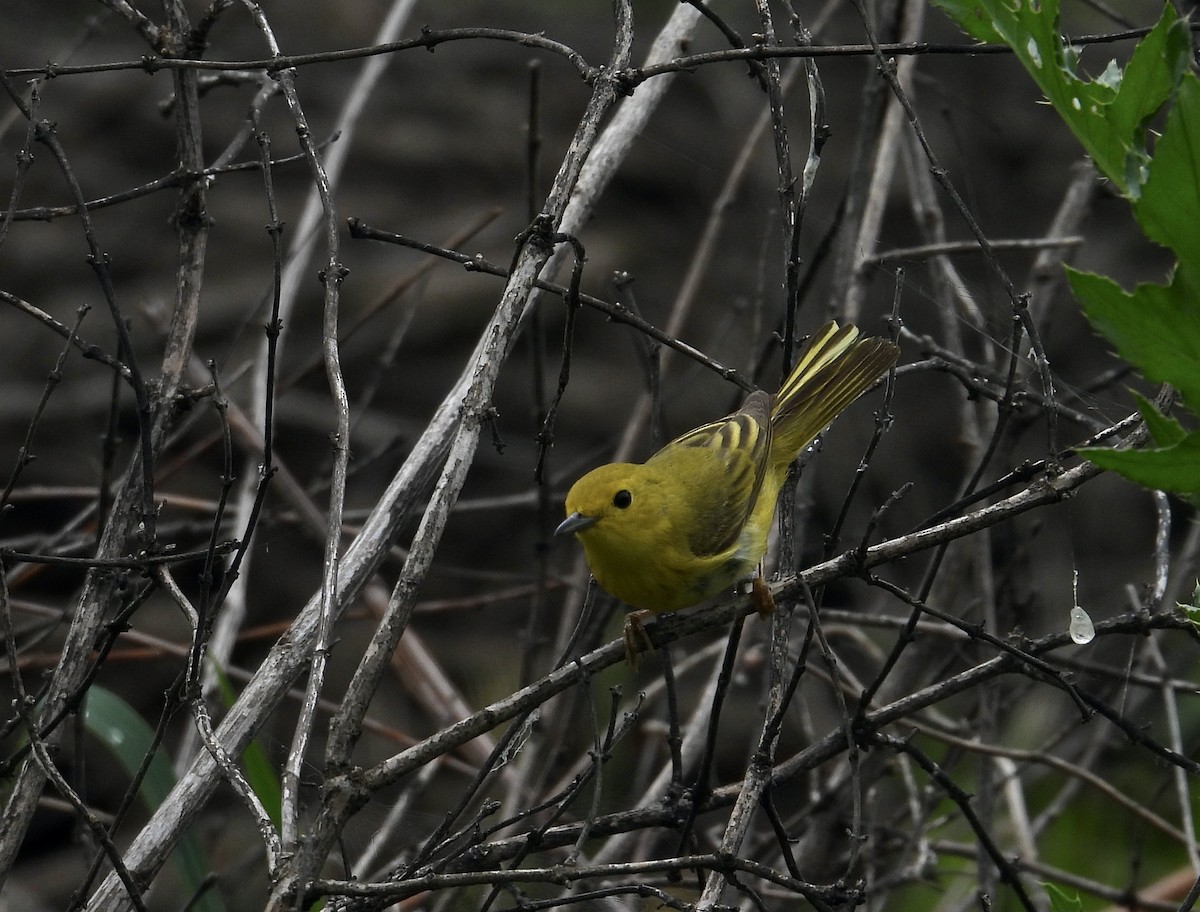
134	506
209	587
533	636
698	264
286	290
331	277
1042	492
1020	302
71	333
1123	897
1045	245
24	161
1182	785
955	304
24	705
786	187
750	797
886	155
233	775
545	434
1162	552
665	783
615	311
176	178
612	147
271	683
191	222
597	757
563	876
700	789
1078	773
1021	321
1008	872
630	78
45	133
25	454
261	447
133	790
476	407
1047	275
603	753
429	40
825	748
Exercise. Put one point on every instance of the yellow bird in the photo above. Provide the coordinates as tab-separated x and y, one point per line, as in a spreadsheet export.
693	520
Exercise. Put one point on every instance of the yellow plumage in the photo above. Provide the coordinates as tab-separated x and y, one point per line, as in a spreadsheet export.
693	519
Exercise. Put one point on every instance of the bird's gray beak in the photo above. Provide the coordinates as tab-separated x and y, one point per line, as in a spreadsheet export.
574	523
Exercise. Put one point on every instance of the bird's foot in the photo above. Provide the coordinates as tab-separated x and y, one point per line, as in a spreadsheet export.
635	636
761	598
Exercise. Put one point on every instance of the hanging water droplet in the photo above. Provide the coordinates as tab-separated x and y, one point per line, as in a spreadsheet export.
1082	631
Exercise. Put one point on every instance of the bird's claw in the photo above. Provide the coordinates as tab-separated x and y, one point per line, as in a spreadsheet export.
761	598
635	636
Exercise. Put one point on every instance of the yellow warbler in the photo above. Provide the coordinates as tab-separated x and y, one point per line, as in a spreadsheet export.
693	519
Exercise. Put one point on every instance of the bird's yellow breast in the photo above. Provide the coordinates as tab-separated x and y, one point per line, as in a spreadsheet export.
651	552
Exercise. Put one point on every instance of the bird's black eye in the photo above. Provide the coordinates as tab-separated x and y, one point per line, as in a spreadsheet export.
622	499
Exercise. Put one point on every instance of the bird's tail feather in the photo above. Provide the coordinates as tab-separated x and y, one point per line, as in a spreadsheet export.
834	369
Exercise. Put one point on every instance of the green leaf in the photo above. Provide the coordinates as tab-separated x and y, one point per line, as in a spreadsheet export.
1169	209
1164	430
260	774
974	18
1061	900
1174	468
129	739
1150	78
1107	114
1192	610
1156	328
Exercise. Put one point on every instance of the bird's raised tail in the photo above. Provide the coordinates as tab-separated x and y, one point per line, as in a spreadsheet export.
834	369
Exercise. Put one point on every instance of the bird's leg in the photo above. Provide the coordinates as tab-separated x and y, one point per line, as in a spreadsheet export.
635	636
760	596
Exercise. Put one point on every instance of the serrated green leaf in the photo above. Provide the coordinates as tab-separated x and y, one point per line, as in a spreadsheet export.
1156	328
1174	468
128	737
1108	114
972	18
1151	75
1164	430
1169	208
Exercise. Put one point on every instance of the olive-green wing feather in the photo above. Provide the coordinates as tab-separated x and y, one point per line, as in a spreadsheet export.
724	463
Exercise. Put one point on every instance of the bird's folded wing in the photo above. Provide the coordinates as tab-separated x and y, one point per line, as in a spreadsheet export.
720	466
